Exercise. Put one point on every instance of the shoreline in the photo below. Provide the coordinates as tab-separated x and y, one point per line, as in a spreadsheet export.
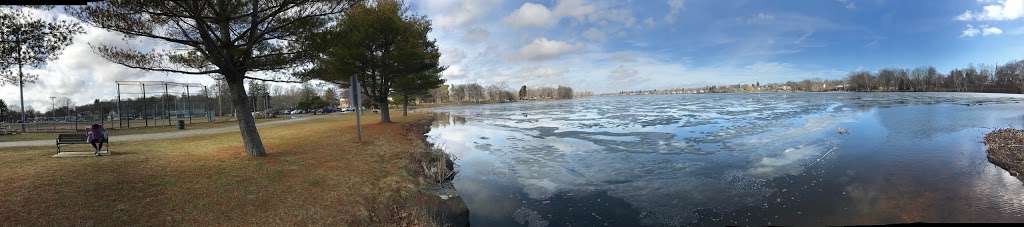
435	169
1005	148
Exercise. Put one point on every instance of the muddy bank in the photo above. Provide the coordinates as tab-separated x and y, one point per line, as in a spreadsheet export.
1006	150
435	171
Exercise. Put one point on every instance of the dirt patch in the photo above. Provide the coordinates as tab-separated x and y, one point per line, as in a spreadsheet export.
1006	150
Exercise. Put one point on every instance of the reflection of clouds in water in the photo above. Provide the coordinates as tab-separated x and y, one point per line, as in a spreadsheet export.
486	197
788	162
539	188
791	149
811	128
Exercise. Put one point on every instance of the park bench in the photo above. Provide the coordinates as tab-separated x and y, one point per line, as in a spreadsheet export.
76	138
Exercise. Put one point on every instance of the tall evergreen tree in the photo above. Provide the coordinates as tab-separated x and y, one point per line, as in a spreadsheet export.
380	43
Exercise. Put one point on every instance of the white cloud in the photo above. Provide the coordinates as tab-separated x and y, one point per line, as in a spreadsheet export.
999	11
574	8
541	72
966	16
544	49
848	4
759	18
674	7
453	14
593	34
623	74
537	15
623	16
983	30
970	31
987	31
476	35
532	15
454	72
649	23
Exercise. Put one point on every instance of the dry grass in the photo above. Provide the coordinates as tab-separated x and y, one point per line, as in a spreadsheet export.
1006	150
315	174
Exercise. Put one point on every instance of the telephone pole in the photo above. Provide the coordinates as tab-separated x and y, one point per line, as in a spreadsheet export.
53	108
355	99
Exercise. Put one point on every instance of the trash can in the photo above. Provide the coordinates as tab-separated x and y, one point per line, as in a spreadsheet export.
181	124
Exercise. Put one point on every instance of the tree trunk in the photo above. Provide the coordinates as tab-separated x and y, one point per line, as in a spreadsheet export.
246	123
405	105
385	114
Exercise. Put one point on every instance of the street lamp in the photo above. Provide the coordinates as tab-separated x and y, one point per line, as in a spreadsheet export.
53	109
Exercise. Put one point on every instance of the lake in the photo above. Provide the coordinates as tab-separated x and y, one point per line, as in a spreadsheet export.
736	159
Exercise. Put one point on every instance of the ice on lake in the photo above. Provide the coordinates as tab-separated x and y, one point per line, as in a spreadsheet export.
712	159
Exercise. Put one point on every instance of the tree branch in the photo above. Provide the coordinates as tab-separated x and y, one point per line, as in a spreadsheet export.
273	80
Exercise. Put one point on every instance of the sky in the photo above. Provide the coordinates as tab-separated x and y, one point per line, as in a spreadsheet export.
607	46
613	45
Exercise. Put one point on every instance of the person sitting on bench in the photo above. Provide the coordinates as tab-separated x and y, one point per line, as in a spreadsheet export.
97	135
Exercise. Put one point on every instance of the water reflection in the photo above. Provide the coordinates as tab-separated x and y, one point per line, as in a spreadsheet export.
733	159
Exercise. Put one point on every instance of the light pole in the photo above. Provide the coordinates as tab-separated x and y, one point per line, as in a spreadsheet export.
53	113
67	109
53	109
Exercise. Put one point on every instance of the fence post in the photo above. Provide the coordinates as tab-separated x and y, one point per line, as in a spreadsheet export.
145	104
163	101
120	121
188	102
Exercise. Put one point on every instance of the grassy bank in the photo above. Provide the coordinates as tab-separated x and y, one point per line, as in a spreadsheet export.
1006	150
316	173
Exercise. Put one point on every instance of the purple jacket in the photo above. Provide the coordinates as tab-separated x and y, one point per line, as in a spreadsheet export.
100	133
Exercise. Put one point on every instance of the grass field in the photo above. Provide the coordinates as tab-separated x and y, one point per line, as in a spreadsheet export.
315	173
138	129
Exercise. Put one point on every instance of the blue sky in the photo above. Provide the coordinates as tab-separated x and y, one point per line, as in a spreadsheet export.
613	45
607	46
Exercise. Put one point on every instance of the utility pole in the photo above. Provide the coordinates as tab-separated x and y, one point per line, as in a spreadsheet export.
53	108
355	99
67	108
53	113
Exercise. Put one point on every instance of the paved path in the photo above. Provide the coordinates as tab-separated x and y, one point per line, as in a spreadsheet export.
163	135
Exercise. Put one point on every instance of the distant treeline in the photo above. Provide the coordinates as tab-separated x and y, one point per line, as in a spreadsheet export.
496	93
1006	78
